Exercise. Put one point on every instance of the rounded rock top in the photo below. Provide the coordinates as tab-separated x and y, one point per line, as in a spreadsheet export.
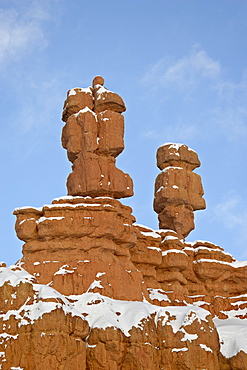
98	80
172	154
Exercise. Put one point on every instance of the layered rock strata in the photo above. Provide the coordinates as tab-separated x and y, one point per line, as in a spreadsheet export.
178	190
95	290
43	328
93	245
87	244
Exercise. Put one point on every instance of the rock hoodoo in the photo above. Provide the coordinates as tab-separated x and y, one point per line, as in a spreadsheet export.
178	190
93	137
95	290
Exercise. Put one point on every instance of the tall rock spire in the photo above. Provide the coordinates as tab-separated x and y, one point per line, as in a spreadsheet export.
93	137
178	190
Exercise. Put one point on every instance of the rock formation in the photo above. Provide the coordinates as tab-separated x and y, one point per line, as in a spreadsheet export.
178	190
96	290
93	137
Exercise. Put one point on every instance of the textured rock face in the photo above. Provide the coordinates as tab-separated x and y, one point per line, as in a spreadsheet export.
39	328
87	243
93	137
43	328
95	290
178	190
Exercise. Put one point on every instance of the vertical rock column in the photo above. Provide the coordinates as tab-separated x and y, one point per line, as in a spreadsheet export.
93	136
81	242
178	190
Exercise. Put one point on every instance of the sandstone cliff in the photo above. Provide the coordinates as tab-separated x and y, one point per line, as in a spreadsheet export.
96	290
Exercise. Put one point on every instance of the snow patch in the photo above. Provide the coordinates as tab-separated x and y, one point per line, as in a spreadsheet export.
206	348
143	226
158	294
172	168
235	264
170	237
155	249
14	275
101	313
63	270
42	219
73	91
27	219
176	146
164	253
84	110
101	91
233	334
153	234
184	349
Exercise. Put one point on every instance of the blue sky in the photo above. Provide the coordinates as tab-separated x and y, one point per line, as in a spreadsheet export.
179	65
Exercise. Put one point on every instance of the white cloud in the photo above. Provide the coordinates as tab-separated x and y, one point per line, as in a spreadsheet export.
229	212
232	214
230	111
207	102
24	29
20	31
185	73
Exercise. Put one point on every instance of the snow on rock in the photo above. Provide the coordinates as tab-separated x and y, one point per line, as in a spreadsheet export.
233	336
42	219
154	249
84	110
67	197
32	309
170	237
64	270
176	146
115	278
184	316
158	294
14	275
164	253
169	168
184	349
235	264
206	348
103	312
26	208
79	89
202	242
143	227
151	234
101	90
176	186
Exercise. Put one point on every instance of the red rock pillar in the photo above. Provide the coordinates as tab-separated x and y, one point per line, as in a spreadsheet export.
178	190
81	242
93	136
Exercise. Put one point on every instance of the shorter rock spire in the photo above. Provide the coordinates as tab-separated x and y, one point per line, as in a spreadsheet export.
93	136
178	190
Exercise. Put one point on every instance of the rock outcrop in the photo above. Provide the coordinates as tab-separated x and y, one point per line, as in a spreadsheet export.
96	290
93	137
178	190
87	244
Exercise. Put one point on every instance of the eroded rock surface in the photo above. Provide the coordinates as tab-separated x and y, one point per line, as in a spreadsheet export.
96	290
93	136
178	190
